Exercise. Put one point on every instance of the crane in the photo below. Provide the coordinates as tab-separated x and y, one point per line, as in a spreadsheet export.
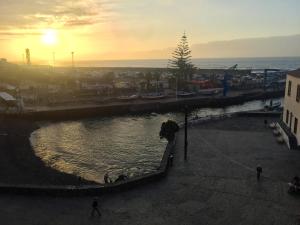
227	76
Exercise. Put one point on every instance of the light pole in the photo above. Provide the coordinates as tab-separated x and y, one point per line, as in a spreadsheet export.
53	59
185	132
176	87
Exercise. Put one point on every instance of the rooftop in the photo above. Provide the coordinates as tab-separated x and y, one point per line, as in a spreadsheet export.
6	97
295	73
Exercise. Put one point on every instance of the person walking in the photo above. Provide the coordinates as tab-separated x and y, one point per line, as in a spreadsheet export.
95	208
266	123
258	172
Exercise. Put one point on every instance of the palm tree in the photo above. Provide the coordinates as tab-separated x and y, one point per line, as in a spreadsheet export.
157	76
148	77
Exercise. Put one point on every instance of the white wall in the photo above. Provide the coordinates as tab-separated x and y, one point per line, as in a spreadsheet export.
292	105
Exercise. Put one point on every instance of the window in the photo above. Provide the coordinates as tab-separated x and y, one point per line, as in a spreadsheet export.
287	117
295	125
298	93
289	88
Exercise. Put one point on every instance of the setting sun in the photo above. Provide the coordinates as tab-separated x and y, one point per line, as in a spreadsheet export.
49	37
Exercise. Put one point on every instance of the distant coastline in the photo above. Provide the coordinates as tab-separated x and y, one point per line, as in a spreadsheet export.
285	63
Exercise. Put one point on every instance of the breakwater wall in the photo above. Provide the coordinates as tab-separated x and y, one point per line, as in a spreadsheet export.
159	106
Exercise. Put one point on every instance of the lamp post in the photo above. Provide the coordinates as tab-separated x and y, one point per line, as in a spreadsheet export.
185	132
176	88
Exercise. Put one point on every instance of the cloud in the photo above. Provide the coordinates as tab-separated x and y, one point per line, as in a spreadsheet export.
54	13
277	46
18	33
79	22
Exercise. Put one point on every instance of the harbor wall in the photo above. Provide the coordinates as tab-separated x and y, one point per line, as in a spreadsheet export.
158	106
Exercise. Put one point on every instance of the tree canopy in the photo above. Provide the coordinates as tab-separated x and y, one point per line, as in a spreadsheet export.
168	130
181	65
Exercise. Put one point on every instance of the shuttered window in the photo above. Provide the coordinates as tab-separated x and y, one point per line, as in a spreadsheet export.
295	125
298	93
289	88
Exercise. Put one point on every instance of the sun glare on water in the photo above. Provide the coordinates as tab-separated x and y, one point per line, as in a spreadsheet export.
49	37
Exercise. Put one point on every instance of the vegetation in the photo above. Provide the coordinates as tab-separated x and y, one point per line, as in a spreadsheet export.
180	64
108	78
168	130
16	74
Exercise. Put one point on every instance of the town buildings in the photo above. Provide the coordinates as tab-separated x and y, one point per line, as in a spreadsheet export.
290	124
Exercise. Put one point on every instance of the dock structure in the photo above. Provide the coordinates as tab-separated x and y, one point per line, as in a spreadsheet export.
7	99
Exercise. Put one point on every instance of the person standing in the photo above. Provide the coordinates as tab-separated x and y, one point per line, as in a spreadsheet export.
258	172
107	179
171	157
95	208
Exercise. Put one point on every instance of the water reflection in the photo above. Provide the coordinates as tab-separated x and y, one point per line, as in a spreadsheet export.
129	144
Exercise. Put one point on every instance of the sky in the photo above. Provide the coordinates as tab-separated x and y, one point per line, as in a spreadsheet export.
123	29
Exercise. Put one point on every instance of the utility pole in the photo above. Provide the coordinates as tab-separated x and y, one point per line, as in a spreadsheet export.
53	58
185	132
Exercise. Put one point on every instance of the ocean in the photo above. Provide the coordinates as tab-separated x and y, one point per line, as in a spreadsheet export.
284	63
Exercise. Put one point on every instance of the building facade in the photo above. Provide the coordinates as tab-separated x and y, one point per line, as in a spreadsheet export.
290	124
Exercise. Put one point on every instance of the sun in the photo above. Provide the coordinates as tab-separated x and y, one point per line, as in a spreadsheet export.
49	37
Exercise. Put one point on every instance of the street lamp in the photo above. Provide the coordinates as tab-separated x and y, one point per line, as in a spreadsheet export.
185	132
176	87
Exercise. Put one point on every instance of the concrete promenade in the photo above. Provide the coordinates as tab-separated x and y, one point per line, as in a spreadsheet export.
216	186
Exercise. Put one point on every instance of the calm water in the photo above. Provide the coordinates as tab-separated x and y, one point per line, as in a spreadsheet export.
127	144
287	63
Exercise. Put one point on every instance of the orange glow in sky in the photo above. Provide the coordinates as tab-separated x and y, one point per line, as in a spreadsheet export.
135	29
49	37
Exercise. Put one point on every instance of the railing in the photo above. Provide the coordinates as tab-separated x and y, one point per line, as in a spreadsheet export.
292	139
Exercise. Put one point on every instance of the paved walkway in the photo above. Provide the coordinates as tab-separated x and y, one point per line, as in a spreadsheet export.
216	186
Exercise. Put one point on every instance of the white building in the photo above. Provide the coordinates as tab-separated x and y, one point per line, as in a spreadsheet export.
290	124
7	101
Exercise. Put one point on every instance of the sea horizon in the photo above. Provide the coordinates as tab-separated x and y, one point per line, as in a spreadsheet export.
284	63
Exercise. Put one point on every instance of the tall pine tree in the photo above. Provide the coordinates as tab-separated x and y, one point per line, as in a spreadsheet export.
180	64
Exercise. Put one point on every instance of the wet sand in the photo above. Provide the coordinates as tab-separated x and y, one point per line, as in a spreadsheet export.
18	163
